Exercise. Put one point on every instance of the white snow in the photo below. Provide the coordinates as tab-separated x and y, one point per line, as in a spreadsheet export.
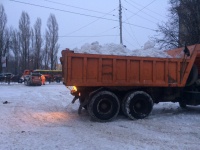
149	44
43	118
149	50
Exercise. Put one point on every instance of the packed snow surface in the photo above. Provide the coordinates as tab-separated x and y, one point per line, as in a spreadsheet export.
43	118
117	49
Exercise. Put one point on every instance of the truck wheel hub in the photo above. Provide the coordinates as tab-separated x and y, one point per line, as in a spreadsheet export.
104	106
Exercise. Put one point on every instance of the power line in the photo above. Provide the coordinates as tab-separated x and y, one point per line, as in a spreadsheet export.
85	25
109	13
129	43
120	22
87	36
79	13
146	8
77	7
95	35
140	10
89	23
62	10
140	26
108	30
132	32
140	16
62	36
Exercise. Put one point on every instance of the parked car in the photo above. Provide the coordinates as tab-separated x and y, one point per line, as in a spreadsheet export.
33	79
16	78
6	77
1	77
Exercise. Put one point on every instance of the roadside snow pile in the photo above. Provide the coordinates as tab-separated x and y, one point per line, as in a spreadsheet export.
118	49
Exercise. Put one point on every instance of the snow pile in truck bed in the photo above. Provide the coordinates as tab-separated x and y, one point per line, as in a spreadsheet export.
117	49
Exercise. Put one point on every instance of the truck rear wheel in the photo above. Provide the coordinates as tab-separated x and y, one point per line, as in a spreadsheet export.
104	106
137	105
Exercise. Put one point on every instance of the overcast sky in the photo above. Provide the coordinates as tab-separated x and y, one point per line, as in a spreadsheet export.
86	21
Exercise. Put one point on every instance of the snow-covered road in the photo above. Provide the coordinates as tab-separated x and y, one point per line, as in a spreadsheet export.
42	117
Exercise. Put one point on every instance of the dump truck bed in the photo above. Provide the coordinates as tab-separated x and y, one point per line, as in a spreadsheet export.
111	70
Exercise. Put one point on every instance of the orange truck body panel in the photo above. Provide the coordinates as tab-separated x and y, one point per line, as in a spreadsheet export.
27	72
91	70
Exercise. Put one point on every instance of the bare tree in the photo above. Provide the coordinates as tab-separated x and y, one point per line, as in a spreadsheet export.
170	35
24	30
183	26
38	43
52	30
32	60
189	21
15	48
4	41
46	52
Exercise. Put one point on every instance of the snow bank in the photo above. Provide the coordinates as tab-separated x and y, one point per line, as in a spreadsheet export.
118	49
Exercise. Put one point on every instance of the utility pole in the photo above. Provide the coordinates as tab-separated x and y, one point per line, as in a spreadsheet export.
120	21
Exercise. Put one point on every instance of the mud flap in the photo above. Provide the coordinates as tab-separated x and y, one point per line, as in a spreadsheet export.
193	76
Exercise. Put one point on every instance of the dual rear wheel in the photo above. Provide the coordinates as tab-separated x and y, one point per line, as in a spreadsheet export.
137	105
105	105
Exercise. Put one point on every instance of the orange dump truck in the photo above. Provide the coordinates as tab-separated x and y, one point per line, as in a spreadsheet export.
106	84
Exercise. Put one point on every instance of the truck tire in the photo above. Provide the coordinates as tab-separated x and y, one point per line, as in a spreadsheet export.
193	76
104	106
123	108
137	105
